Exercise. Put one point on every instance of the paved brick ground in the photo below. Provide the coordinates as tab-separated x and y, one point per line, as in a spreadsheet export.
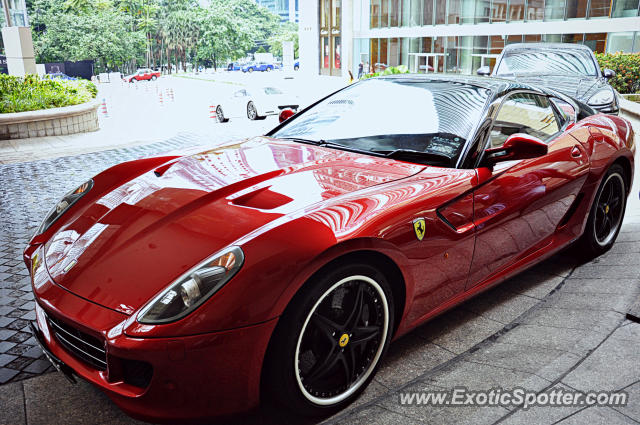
29	190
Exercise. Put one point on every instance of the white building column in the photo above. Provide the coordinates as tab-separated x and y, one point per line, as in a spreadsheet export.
18	47
309	37
346	55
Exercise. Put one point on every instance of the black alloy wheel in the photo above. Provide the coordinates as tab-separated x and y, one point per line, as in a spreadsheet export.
329	343
607	213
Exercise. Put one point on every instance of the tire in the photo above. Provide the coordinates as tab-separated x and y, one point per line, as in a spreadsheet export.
295	68
153	78
220	115
599	236
269	69
133	80
349	343
252	112
250	70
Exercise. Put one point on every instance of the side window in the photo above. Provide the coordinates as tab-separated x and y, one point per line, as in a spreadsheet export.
565	110
524	113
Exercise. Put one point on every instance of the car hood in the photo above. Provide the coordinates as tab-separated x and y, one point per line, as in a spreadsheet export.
577	87
131	242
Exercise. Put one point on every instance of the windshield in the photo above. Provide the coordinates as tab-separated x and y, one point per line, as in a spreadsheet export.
271	90
547	61
432	117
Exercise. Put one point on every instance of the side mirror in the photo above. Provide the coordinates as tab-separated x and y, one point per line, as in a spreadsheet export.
608	73
484	71
517	146
286	114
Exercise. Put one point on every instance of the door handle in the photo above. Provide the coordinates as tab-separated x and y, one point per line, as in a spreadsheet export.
576	152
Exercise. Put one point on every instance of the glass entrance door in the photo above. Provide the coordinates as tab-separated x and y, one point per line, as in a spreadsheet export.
330	37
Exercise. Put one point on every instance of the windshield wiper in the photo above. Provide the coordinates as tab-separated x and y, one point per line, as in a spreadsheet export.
323	143
413	154
320	142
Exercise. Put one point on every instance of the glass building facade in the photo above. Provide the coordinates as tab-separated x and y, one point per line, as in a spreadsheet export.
460	35
18	12
287	9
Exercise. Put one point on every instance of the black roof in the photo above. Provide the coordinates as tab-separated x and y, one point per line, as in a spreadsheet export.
543	46
498	86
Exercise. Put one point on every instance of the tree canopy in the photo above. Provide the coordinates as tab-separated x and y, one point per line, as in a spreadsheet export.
126	34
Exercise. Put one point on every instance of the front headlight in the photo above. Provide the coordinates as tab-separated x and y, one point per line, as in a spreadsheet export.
603	97
63	205
193	288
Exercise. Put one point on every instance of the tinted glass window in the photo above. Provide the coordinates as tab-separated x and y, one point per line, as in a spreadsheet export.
271	90
430	116
547	61
566	111
524	113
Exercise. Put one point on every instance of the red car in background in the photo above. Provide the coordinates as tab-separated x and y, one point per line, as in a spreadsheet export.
143	74
191	286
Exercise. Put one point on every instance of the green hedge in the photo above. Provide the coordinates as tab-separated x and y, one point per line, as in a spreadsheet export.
627	68
31	93
401	69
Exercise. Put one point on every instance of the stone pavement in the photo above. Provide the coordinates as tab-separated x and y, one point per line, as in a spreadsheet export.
559	324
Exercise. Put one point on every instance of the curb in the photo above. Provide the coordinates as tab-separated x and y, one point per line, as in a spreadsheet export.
631	108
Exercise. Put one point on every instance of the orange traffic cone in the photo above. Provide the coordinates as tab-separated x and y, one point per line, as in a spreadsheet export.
103	108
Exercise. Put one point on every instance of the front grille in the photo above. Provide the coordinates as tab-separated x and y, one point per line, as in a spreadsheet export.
86	347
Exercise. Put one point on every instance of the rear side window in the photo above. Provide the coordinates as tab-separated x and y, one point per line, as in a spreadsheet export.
524	113
566	111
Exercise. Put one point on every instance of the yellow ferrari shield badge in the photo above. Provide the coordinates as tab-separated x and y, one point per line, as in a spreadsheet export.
419	227
344	340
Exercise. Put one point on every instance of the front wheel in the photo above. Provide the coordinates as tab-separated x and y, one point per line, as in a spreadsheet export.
328	344
607	212
133	81
252	112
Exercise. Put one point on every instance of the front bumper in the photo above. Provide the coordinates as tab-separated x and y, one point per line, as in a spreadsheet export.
199	376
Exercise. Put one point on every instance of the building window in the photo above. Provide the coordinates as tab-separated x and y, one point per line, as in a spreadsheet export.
596	42
577	9
599	8
516	10
426	7
483	11
375	13
554	10
624	8
620	42
499	11
535	10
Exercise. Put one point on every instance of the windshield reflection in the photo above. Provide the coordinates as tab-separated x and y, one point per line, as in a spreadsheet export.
553	62
385	115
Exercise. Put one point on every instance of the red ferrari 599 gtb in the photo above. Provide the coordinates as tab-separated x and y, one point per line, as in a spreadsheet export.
189	286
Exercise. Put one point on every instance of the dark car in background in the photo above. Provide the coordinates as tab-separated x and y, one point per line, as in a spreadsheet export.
570	69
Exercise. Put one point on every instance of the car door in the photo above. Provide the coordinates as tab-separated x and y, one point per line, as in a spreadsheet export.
518	205
238	104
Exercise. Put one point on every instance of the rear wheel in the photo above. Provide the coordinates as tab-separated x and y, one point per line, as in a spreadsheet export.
220	115
607	212
329	343
153	78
